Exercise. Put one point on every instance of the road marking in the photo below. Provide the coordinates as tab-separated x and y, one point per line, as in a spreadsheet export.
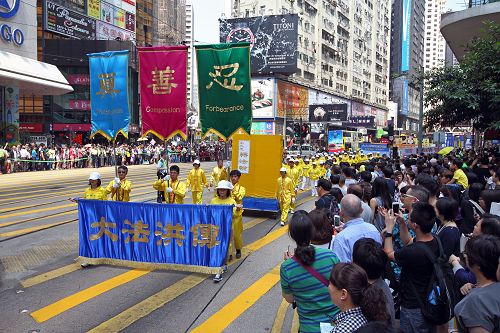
21	232
150	304
280	317
71	301
295	322
50	275
225	316
36	210
253	223
6	224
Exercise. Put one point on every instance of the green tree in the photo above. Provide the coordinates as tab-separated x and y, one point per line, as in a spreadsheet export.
468	92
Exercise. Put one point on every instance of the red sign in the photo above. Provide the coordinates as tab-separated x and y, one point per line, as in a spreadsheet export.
31	127
77	104
79	79
73	127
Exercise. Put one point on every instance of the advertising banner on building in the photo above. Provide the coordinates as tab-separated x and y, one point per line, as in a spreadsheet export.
335	141
327	112
79	104
107	31
273	41
78	79
263	128
405	97
405	36
262	98
94	8
74	5
292	99
63	21
126	5
374	148
129	21
360	121
224	88
109	93
163	87
11	114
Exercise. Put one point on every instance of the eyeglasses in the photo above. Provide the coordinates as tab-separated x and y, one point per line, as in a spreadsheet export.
409	196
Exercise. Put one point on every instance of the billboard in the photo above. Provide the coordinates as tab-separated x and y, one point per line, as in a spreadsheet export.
94	8
262	98
292	99
405	36
263	128
405	97
335	141
107	31
327	112
63	21
360	121
374	148
273	41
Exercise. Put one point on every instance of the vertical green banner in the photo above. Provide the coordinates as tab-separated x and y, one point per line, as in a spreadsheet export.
224	88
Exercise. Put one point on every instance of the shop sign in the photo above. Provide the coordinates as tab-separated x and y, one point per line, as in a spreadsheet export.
79	104
68	23
78	79
38	140
107	31
73	127
31	127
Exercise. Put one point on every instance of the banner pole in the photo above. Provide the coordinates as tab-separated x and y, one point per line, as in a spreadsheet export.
116	160
168	171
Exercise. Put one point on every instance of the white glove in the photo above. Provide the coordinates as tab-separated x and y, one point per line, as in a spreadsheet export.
169	190
228	164
293	200
166	178
117	180
115	185
187	189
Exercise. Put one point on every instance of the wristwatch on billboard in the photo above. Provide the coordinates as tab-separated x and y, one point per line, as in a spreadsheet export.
241	33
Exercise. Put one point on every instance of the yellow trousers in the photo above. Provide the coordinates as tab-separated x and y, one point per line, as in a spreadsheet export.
292	204
197	197
236	234
285	207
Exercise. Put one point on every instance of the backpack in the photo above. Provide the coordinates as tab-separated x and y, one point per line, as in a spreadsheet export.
437	308
334	207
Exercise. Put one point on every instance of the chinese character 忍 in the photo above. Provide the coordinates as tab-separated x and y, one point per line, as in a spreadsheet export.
137	231
169	232
218	72
102	224
107	84
161	79
204	234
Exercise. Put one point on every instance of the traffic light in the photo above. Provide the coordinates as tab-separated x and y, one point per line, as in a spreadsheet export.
296	130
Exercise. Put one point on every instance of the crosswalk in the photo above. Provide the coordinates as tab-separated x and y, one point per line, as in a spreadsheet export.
69	298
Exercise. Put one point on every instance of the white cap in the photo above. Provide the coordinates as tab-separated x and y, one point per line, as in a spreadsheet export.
433	161
196	162
321	162
224	184
283	169
306	160
314	163
95	175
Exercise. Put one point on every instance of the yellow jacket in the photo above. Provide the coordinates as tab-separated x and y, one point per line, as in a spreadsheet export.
98	194
228	201
306	168
196	180
218	174
294	175
123	191
178	187
315	173
238	193
285	189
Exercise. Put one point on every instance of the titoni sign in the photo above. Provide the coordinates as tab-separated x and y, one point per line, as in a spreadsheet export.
8	34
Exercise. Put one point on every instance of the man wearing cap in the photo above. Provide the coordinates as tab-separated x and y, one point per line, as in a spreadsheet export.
314	174
218	173
293	173
120	187
174	189
306	168
284	194
237	193
196	181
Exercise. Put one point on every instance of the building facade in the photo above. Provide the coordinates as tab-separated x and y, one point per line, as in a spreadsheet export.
435	45
169	22
343	46
407	60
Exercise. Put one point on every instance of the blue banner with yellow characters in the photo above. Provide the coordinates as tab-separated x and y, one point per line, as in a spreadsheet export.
109	93
192	238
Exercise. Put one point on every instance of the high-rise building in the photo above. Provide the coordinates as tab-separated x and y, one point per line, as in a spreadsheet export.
407	59
144	23
169	22
343	45
189	41
435	45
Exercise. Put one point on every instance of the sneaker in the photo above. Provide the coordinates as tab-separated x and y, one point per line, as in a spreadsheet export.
238	254
218	278
282	223
231	257
291	211
85	264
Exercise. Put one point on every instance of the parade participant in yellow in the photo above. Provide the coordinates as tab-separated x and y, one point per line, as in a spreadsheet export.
174	189
293	174
284	194
237	193
94	191
314	174
223	197
196	181
322	170
306	168
218	173
300	172
120	187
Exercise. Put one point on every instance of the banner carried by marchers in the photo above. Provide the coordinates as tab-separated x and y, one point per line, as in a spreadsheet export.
109	93
224	88
191	238
163	90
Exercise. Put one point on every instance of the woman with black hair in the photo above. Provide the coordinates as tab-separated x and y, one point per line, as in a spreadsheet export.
448	233
94	191
359	301
304	276
323	229
380	198
471	208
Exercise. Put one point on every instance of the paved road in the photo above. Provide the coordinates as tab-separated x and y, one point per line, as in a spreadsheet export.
42	289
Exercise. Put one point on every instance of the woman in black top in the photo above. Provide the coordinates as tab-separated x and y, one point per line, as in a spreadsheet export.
448	232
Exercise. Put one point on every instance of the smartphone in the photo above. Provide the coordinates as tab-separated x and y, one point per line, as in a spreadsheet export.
336	221
395	207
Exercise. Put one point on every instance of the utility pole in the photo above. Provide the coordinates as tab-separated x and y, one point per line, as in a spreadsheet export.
421	117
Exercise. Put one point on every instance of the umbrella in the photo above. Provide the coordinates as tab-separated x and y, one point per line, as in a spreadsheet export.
445	151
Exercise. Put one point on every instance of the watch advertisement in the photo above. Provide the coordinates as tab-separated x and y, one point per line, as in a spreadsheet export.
272	38
68	23
327	112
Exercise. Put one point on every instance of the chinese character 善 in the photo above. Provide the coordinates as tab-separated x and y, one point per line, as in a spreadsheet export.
169	232
107	84
102	224
137	230
218	72
161	79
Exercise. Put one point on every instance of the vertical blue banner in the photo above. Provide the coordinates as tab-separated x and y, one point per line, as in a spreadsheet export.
109	93
449	140
405	97
184	237
405	36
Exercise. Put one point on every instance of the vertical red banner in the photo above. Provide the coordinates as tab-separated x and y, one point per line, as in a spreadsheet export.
163	90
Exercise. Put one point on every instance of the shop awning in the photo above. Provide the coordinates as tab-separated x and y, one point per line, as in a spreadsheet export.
31	76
